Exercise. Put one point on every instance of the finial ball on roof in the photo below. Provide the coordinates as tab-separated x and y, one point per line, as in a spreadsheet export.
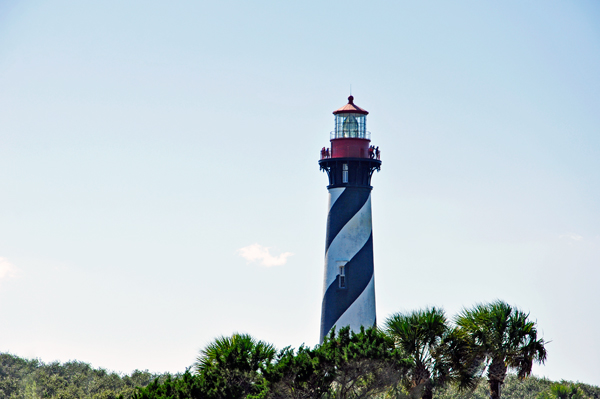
351	100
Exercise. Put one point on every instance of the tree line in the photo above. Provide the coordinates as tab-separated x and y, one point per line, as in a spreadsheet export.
414	355
484	351
32	379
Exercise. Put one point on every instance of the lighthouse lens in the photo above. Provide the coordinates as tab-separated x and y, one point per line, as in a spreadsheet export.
350	126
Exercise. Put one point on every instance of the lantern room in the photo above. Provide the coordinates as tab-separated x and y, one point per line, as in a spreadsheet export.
350	122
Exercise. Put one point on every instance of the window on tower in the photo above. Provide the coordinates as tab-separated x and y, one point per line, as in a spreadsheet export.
343	276
345	173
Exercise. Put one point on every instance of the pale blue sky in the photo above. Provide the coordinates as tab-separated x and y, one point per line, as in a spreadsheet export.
143	143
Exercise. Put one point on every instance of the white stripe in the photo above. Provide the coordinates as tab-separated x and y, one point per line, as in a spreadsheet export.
353	236
361	312
334	194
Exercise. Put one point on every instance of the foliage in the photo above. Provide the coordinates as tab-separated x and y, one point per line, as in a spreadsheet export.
501	337
304	374
423	336
22	378
515	388
568	390
185	386
363	364
347	365
233	367
228	368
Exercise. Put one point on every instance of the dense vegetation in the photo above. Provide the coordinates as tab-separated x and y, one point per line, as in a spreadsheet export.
29	379
527	388
486	352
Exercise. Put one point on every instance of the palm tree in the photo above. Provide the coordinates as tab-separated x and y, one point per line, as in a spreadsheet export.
501	337
563	390
233	367
420	335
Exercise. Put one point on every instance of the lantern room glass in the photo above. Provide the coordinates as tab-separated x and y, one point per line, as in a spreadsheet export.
350	126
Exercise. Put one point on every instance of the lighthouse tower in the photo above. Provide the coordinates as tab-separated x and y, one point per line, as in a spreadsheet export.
349	286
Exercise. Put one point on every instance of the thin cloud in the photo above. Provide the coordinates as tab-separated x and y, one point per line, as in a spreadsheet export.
572	236
7	269
256	253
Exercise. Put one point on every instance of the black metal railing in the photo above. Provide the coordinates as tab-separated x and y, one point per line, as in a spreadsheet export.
374	153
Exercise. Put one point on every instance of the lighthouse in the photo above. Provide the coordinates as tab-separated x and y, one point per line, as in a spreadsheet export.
349	285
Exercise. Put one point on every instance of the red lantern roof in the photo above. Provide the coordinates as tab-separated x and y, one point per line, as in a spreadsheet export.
350	108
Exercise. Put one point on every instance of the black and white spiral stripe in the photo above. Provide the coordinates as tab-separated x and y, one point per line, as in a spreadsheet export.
349	242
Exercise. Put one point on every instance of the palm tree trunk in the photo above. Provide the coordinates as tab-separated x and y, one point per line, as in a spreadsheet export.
420	383
496	375
428	392
495	389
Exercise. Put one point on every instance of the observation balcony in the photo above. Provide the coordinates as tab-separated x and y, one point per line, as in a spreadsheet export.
350	151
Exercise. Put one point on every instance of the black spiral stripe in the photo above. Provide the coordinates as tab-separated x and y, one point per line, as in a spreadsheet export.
359	267
347	205
359	272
